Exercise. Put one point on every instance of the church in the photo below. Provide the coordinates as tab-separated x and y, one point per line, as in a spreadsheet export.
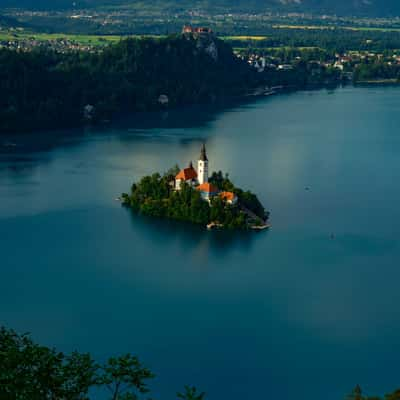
199	180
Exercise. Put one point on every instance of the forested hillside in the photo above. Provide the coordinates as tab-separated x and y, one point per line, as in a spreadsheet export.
46	89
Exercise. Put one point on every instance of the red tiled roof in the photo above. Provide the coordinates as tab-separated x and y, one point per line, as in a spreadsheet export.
228	196
207	188
187	174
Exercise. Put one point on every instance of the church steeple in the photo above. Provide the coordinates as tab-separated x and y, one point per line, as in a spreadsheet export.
202	166
203	154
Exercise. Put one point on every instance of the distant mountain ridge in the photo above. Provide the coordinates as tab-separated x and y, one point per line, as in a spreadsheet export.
7	22
340	7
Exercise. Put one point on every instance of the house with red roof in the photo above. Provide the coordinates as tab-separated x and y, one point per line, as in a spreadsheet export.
228	197
207	190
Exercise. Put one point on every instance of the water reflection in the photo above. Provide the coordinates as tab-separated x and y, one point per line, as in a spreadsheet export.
21	155
140	125
194	239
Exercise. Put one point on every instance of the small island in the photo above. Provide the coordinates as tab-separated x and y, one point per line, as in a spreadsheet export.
192	195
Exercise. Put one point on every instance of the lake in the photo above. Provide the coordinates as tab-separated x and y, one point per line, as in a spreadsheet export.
306	310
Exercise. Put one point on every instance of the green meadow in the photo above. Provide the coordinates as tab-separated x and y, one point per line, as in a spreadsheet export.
329	27
93	40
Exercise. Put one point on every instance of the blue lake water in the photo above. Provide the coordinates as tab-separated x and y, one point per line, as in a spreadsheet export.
306	310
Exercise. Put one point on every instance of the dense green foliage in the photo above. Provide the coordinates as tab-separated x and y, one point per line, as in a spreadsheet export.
124	377
376	70
190	393
29	371
332	40
155	196
246	198
42	89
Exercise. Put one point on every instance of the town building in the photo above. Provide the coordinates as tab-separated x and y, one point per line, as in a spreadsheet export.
228	197
187	175
207	190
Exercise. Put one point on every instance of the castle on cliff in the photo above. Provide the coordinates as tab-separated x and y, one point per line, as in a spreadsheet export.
199	31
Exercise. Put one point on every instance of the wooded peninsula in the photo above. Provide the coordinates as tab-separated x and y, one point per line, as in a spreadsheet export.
52	89
48	89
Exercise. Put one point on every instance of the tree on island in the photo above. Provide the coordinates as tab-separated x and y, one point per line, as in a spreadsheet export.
247	199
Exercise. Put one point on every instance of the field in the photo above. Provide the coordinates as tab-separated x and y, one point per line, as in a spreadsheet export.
278	48
329	27
244	38
83	39
92	40
96	40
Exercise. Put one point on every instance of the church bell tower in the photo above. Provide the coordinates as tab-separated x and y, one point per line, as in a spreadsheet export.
202	166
